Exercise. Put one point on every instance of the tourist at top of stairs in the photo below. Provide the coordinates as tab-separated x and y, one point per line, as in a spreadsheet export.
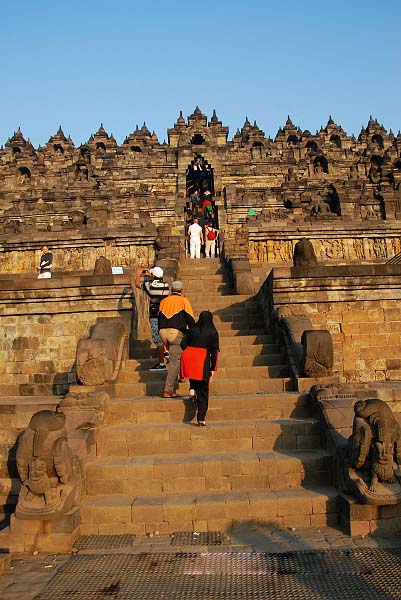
195	233
175	317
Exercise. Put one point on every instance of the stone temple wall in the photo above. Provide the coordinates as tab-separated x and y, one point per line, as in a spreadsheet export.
264	188
361	308
78	253
42	322
126	201
351	245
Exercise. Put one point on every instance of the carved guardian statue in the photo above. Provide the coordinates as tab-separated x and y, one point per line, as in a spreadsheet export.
50	473
373	455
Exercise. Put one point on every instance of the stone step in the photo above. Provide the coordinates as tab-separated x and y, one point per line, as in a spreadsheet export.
203	276
221	408
206	296
206	285
217	437
218	511
201	264
258	336
223	373
224	360
217	388
231	348
240	318
254	322
225	315
228	338
219	302
159	474
205	279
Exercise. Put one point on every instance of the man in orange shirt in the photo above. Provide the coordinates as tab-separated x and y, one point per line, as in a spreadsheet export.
175	317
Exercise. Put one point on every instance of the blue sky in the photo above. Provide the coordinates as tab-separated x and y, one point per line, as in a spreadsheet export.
122	62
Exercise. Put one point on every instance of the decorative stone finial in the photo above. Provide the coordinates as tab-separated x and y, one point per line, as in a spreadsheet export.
214	118
181	120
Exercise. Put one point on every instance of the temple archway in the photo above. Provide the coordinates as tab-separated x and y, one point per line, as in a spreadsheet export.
312	146
197	139
378	140
200	192
24	175
292	140
336	140
85	154
320	164
257	150
333	200
199	176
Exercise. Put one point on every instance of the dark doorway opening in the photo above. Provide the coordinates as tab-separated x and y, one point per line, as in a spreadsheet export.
199	176
200	191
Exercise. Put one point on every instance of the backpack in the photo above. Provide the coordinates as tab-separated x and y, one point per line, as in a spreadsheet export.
211	234
156	291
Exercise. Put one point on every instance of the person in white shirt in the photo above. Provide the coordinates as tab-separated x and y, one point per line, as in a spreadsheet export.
46	261
195	238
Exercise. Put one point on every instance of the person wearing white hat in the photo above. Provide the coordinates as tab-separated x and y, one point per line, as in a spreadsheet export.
154	286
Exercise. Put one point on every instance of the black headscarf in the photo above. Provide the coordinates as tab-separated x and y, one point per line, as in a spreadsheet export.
203	334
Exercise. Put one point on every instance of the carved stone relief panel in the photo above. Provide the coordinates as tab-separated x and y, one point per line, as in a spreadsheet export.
332	249
395	245
282	251
358	249
377	248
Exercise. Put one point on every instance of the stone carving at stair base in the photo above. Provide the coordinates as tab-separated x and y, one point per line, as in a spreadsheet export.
98	354
365	438
85	410
373	454
51	475
310	351
317	359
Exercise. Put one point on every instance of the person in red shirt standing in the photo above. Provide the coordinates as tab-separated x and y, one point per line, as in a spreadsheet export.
211	235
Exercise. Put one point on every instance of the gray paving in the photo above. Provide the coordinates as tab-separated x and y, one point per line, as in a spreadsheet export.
252	563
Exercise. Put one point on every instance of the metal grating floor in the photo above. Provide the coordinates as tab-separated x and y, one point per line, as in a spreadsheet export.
203	538
371	574
104	542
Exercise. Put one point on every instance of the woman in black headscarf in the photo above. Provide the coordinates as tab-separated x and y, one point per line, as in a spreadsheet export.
199	360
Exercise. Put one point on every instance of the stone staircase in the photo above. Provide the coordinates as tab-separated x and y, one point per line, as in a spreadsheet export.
258	460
